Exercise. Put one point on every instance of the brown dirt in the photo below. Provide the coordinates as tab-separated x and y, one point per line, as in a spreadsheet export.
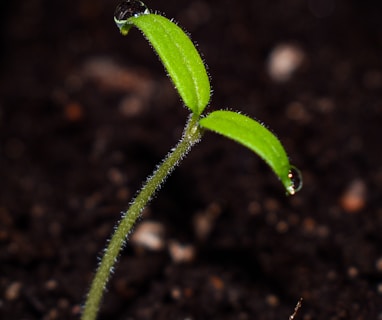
86	114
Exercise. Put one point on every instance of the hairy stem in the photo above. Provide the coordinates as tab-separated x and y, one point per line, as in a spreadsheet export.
191	136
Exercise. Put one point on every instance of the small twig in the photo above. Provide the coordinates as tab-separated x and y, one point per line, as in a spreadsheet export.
296	308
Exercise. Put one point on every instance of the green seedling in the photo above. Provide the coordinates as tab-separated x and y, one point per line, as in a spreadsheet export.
189	76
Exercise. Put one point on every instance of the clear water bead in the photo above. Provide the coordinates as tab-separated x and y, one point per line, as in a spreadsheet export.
129	8
296	178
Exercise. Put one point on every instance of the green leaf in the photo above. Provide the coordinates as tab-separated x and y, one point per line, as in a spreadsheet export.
257	138
179	56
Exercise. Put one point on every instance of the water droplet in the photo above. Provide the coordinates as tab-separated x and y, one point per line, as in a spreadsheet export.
127	9
296	180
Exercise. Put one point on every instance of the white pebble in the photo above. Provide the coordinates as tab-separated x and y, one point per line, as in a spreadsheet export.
283	61
149	235
181	253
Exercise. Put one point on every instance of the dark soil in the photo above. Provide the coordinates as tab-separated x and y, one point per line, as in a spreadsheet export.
86	114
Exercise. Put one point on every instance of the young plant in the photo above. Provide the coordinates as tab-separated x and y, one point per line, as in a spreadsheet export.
189	76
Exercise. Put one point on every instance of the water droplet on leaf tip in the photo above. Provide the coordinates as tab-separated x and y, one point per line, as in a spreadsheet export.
127	9
296	178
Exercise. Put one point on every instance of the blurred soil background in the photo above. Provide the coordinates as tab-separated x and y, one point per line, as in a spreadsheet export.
86	114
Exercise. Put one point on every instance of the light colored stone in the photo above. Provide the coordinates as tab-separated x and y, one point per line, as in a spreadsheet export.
149	235
181	253
284	60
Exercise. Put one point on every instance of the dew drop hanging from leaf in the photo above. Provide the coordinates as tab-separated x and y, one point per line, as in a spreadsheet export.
127	9
130	8
296	178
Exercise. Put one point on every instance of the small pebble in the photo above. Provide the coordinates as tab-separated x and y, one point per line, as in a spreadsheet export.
332	275
176	293
323	231
217	283
353	199
93	200
353	272
4	235
149	235
204	221
378	264
63	303
271	218
51	285
73	112
272	300
373	79
38	211
309	225
76	310
282	227
13	291
52	315
188	292
131	106
271	204
325	105
115	77
181	253
116	176
55	228
254	208
123	194
284	60
296	111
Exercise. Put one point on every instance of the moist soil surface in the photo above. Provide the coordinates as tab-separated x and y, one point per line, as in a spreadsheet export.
86	114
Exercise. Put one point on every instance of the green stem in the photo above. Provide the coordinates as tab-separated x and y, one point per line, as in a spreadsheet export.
191	136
